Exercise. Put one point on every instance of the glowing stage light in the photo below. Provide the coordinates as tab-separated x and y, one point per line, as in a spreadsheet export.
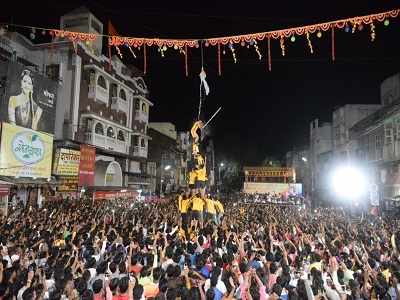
349	182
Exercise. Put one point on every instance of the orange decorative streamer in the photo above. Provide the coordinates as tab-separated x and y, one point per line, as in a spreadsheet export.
333	43
186	62
269	55
144	59
219	59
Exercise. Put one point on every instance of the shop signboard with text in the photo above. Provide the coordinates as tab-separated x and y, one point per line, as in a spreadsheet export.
87	165
66	162
25	152
29	100
108	195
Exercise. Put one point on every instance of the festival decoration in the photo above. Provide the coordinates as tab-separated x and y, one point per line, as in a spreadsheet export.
119	52
282	44
233	53
269	54
309	43
373	35
348	25
204	82
132	52
219	59
186	61
255	45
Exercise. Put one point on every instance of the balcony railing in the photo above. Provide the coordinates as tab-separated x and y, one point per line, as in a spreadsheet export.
97	93
140	151
141	116
119	104
106	142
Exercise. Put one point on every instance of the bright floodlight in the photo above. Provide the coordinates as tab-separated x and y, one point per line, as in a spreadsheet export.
349	182
167	167
221	164
304	159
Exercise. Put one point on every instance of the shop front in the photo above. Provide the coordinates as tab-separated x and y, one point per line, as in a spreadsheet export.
25	163
4	198
66	169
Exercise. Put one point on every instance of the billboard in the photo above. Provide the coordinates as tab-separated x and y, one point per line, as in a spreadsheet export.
87	165
25	152
29	100
66	162
268	187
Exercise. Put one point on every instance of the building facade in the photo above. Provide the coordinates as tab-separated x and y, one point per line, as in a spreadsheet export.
298	160
377	142
320	159
166	156
343	118
100	102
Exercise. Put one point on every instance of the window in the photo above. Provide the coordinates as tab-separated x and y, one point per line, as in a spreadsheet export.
96	26
76	22
388	133
137	104
114	90
110	132
135	140
53	71
144	107
121	135
143	143
122	94
378	147
397	129
98	129
101	82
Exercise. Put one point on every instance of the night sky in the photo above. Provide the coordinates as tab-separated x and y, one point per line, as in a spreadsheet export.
264	113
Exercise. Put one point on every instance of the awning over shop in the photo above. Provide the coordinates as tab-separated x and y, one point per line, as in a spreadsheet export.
27	181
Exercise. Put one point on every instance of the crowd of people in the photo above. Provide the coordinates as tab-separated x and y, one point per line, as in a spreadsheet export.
121	249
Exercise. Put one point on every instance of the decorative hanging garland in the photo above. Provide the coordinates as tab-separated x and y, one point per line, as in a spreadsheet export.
114	40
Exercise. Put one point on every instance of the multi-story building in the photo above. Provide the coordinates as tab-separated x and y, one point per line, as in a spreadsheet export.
100	101
377	141
184	145
343	118
165	154
320	157
298	160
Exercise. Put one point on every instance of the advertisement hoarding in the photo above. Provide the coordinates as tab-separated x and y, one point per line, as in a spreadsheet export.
29	100
267	187
66	162
87	165
25	152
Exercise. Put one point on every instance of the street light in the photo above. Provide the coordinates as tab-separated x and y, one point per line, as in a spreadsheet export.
304	159
221	165
167	167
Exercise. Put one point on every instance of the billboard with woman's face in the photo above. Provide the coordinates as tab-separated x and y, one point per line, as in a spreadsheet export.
29	100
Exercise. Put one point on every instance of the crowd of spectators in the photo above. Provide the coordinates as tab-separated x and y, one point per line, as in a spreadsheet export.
122	249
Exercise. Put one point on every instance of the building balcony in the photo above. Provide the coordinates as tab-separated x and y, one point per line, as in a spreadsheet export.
119	104
139	151
106	142
98	93
141	116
